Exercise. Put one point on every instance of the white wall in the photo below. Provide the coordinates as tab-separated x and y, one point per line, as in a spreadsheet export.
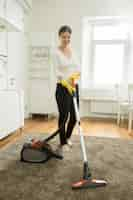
49	15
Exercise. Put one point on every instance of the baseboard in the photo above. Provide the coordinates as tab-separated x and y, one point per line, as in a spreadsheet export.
10	137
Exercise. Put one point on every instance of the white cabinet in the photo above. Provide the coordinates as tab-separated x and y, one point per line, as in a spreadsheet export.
2	8
3	43
3	60
18	63
15	14
13	66
16	60
11	112
3	74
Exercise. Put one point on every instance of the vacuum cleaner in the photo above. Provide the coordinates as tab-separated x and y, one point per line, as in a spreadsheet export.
40	151
37	151
87	181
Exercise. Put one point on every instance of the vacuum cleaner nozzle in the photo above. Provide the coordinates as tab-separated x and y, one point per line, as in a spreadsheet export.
90	183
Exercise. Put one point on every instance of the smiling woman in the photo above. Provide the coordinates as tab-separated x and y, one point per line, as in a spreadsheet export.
66	65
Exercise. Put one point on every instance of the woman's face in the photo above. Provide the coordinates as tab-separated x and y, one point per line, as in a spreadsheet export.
65	38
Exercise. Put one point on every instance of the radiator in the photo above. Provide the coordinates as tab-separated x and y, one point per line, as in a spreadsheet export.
103	107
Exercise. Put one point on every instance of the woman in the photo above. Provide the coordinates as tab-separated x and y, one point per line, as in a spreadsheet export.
66	65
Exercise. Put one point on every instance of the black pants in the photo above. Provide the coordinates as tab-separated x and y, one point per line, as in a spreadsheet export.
66	112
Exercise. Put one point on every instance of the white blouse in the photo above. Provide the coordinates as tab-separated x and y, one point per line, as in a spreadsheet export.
65	66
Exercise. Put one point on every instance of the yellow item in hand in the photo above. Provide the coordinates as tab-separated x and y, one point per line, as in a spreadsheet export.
73	79
66	84
75	76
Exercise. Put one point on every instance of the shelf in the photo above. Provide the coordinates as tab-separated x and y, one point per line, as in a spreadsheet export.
39	78
38	69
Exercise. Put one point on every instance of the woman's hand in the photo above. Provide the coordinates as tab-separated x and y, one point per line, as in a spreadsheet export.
68	86
74	78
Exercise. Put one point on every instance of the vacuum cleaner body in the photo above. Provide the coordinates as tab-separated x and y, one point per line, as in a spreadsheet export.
38	151
34	155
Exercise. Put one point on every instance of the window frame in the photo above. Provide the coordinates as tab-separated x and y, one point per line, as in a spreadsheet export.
102	21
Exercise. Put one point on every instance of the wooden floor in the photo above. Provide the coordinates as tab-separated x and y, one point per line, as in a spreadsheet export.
91	127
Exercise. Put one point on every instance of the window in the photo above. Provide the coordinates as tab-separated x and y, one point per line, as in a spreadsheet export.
108	63
105	52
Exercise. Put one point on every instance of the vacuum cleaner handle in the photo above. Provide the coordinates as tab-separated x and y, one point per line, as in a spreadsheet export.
56	132
52	136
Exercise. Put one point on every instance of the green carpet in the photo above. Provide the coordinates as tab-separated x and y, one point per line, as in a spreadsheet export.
111	159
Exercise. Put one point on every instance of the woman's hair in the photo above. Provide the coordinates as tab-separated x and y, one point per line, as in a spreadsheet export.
64	29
